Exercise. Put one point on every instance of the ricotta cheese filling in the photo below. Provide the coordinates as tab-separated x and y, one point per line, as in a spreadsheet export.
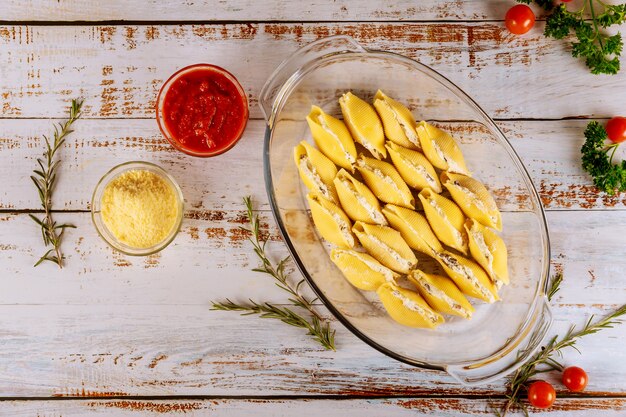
455	266
374	214
458	236
453	166
413	306
479	239
480	204
311	173
440	294
385	178
430	180
374	266
408	130
328	130
405	264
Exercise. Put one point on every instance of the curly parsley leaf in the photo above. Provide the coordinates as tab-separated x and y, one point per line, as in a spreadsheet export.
607	176
547	5
600	51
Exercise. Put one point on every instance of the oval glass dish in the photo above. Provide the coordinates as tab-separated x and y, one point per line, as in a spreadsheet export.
96	205
500	336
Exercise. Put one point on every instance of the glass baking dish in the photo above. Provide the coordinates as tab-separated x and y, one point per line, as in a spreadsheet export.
500	336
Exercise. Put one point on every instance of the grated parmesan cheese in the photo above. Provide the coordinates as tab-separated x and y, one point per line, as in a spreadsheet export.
139	208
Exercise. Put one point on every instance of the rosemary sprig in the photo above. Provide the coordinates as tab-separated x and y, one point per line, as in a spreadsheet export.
316	325
44	179
547	358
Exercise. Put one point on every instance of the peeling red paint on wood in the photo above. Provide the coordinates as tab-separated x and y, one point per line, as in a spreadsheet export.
149	406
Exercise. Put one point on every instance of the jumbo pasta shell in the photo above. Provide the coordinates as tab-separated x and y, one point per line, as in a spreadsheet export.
364	124
445	218
408	307
386	245
361	269
398	121
473	198
442	294
414	228
332	137
357	200
489	250
468	276
385	182
441	149
316	171
414	168
331	222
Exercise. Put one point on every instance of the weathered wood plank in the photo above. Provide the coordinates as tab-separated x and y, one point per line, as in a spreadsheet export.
119	69
142	350
210	249
114	325
245	10
549	149
457	407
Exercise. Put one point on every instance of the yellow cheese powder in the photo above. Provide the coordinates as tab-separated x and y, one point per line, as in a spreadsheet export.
139	208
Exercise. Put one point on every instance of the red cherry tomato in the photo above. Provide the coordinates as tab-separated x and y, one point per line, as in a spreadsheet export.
519	19
541	394
565	1
616	129
575	378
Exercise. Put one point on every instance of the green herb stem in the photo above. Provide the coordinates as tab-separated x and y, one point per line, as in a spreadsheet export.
45	178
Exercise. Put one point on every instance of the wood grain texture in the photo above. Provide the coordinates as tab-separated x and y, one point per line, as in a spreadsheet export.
115	325
119	69
444	407
246	10
549	149
142	350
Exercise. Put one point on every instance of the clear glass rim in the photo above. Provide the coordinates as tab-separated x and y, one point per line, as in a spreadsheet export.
532	320
106	235
161	99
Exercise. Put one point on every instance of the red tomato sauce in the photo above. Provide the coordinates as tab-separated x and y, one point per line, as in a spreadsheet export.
205	110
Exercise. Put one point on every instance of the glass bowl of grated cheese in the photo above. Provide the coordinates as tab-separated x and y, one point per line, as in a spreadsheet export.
137	208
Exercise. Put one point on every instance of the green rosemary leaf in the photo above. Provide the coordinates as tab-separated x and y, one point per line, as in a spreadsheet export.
51	232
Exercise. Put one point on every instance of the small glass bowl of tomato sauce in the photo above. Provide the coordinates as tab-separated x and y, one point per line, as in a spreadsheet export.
202	110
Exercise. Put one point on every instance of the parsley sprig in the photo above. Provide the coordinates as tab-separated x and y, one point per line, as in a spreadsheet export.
317	327
597	159
600	51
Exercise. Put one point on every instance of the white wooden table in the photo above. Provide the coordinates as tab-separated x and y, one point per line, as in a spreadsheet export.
116	335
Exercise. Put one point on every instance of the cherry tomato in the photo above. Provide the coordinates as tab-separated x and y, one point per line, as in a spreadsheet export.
565	1
519	19
616	129
541	394
575	378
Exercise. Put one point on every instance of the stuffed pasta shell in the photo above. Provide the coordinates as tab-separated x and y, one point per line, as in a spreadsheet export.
398	121
316	171
364	124
414	168
473	198
414	228
385	182
408	307
359	203
468	276
386	245
331	222
441	293
361	269
445	218
489	250
441	149
332	137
